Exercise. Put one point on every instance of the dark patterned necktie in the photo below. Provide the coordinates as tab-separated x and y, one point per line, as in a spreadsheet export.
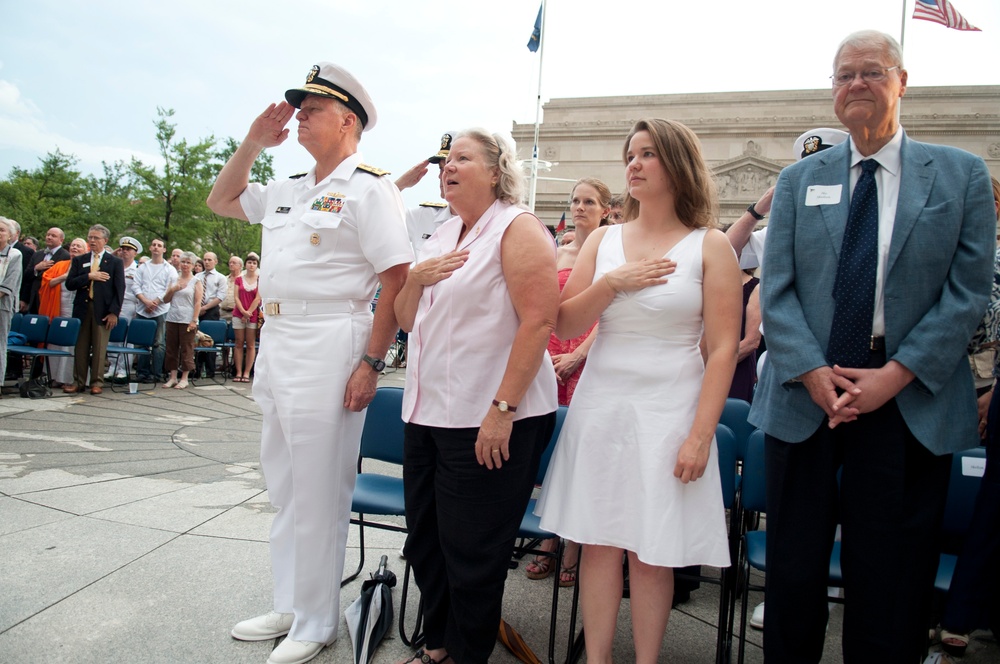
854	288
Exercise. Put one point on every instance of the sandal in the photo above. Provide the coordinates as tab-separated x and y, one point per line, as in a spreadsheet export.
543	566
423	658
567	576
954	644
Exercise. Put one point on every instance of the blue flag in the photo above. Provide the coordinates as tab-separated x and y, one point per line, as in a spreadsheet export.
536	35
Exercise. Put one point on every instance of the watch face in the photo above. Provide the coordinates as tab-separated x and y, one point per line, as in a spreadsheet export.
378	365
502	406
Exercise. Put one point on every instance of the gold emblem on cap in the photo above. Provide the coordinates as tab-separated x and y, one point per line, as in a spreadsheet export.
445	141
812	144
314	239
313	73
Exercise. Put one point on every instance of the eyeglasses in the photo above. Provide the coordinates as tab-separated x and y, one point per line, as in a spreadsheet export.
873	75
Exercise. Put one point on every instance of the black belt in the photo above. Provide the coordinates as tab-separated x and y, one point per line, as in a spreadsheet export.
877	345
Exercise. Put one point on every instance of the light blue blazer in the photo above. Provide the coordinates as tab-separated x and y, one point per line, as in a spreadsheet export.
937	285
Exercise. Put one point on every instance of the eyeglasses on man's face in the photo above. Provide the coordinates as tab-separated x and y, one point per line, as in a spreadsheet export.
868	75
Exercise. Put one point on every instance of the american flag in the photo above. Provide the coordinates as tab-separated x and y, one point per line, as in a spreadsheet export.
943	12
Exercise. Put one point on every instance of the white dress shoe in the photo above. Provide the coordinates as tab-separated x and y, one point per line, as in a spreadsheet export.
294	652
757	619
268	626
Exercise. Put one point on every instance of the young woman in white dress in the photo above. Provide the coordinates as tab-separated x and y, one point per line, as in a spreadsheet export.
635	471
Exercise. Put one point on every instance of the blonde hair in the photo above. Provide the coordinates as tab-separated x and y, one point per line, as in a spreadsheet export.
500	155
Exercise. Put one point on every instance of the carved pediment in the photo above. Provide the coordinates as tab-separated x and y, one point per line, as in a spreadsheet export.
746	177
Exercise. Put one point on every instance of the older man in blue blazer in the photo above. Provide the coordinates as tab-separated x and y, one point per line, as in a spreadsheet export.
880	260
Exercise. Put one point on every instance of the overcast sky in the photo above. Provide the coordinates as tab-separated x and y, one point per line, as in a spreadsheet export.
86	77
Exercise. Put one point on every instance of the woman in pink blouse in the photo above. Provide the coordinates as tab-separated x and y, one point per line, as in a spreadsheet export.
246	315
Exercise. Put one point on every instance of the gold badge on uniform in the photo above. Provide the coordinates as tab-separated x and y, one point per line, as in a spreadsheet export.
332	202
314	239
313	73
811	145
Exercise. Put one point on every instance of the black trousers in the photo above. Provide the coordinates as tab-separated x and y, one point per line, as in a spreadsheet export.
206	361
974	596
890	503
462	521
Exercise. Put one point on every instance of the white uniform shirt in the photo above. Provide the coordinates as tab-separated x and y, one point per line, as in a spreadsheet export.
130	303
423	221
327	240
152	281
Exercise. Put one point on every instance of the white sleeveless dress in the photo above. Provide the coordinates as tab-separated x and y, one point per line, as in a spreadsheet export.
611	481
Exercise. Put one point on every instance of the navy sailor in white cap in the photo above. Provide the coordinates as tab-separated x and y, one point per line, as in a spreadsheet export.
329	238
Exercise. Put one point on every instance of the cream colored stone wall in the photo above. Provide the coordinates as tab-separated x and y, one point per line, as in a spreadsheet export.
746	136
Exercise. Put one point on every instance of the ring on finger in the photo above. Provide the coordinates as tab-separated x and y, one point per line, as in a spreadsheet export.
496	452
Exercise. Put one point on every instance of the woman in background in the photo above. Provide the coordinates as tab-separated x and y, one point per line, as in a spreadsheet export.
54	299
184	296
246	316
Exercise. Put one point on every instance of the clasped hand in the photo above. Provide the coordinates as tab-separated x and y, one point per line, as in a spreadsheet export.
863	390
640	274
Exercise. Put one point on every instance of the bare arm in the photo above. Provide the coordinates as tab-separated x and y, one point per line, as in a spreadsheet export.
739	233
267	131
722	296
361	386
529	268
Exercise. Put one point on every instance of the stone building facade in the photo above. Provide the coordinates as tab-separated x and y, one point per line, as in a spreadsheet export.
746	136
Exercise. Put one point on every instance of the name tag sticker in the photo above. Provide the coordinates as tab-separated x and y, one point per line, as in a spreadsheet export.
86	265
973	466
63	323
823	194
283	210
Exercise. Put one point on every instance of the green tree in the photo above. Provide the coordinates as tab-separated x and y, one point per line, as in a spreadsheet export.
50	195
172	199
235	236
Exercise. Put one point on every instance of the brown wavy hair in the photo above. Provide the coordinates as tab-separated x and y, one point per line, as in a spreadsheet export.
679	150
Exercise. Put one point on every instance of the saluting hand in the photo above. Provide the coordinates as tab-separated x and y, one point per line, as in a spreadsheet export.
268	130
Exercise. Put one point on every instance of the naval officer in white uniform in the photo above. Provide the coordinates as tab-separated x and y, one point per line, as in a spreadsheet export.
423	220
329	238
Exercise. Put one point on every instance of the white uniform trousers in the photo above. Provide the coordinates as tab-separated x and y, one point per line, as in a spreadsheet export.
117	360
309	455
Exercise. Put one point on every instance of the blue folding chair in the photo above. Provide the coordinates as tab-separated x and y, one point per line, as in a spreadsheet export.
217	330
963	489
139	337
60	332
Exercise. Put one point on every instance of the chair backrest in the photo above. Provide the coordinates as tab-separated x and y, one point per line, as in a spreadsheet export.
734	416
382	437
725	441
215	329
230	333
15	322
64	331
141	332
35	327
963	488
119	332
550	448
754	486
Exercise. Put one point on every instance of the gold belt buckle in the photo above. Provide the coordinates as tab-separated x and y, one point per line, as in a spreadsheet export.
272	308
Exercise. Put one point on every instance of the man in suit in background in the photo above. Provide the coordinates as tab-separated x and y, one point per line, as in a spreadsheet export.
98	277
880	262
42	260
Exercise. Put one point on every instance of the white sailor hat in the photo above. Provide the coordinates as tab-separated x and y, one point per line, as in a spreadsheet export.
817	140
328	80
446	140
130	243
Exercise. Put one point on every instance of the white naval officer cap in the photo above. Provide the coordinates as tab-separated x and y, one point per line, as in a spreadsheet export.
329	80
130	243
817	140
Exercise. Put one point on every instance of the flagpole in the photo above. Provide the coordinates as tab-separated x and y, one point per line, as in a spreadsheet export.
538	116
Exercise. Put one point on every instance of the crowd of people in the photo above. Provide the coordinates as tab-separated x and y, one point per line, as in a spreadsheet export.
99	285
643	319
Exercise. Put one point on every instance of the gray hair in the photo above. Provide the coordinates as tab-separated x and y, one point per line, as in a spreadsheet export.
863	39
103	230
191	256
499	154
8	224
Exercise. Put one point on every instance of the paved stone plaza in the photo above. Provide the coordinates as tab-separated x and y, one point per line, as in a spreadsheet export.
133	528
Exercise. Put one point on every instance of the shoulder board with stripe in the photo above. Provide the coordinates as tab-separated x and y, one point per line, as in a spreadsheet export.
371	169
433	205
298	175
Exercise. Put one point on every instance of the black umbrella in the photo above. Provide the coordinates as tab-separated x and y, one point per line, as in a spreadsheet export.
370	616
